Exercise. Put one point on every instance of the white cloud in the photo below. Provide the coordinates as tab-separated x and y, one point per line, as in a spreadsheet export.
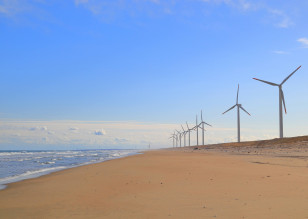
303	41
285	23
9	7
239	4
282	20
278	17
100	132
13	7
111	10
245	5
280	52
35	134
44	128
74	128
121	140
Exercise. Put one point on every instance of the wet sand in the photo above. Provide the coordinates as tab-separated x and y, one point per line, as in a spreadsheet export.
188	183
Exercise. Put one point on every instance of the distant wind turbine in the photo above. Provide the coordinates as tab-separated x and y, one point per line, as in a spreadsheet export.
189	130
196	127
172	140
281	100
173	136
239	106
176	139
180	136
184	133
202	126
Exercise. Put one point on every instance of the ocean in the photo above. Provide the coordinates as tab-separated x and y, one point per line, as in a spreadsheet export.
19	165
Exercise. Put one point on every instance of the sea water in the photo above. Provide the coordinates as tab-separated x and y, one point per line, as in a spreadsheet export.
19	165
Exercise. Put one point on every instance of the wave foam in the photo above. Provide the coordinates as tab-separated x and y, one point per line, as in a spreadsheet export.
29	174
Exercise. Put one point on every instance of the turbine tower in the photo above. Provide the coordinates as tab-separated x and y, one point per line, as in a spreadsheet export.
172	141
184	133
189	130
239	106
196	127
281	100
176	139
202	123
180	135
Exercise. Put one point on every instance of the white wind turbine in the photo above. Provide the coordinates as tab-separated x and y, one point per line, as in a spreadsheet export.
173	136
189	130
196	127
281	100
202	123
180	136
239	106
172	140
184	134
176	139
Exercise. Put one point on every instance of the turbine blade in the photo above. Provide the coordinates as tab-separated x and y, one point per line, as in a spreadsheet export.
201	116
284	104
196	119
289	75
270	83
229	109
187	125
182	128
202	129
207	124
238	87
244	110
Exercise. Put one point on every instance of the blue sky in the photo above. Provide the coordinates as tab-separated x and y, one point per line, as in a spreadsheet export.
150	61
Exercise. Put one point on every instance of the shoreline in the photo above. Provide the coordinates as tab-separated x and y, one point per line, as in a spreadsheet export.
6	181
164	184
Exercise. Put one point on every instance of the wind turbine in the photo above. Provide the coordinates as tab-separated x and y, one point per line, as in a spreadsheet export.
184	133
172	141
189	130
202	124
196	127
281	100
176	139
173	136
180	136
239	106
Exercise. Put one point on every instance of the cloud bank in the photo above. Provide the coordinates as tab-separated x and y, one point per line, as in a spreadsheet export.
37	135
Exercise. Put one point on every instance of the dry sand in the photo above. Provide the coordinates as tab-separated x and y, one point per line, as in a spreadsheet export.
167	184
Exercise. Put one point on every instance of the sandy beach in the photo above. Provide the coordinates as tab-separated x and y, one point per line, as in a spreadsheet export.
167	184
